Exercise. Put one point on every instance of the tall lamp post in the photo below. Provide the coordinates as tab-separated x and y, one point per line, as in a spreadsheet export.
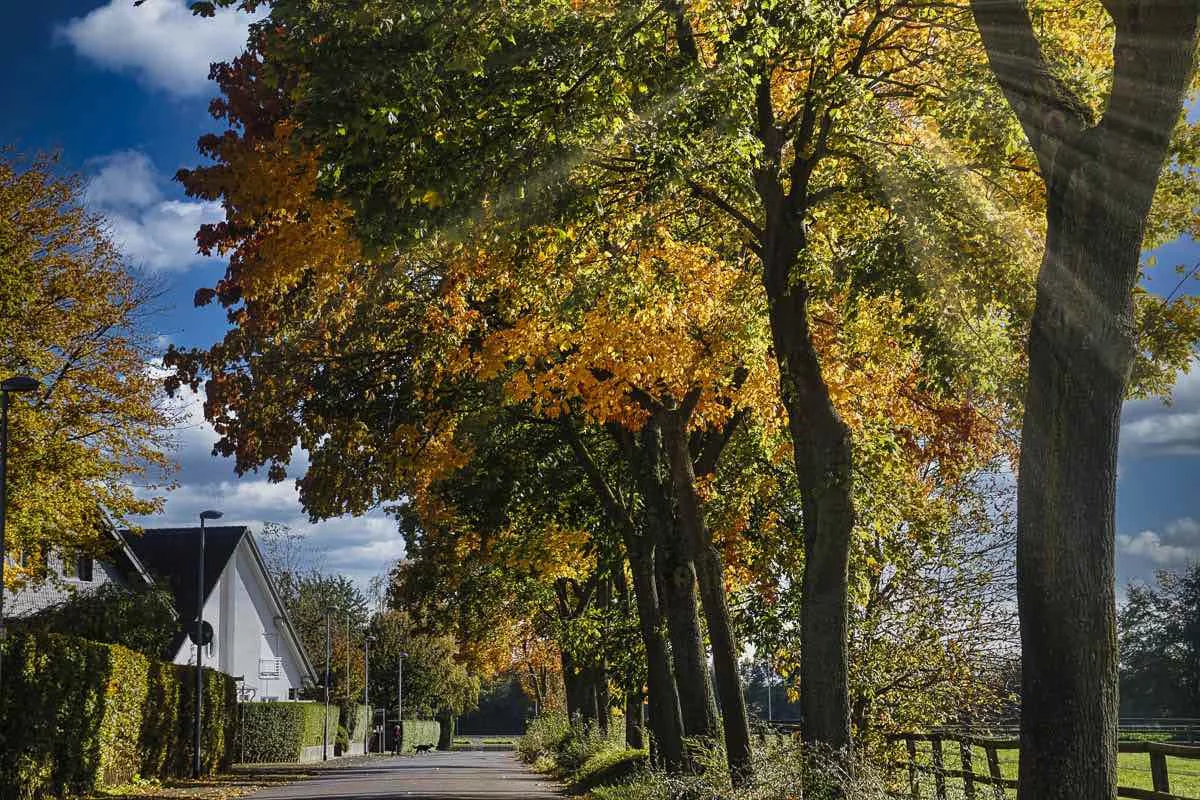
367	639
400	701
205	516
19	383
325	729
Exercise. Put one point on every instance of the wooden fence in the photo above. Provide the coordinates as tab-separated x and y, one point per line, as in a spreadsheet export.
993	783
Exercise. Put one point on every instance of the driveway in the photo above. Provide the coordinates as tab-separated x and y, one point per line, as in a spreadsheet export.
435	776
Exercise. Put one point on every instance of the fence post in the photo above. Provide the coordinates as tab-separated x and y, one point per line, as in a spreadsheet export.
914	784
993	760
964	749
939	768
1158	772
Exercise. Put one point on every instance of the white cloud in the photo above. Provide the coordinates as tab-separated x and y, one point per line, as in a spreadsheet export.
153	232
160	42
1178	543
358	547
1154	428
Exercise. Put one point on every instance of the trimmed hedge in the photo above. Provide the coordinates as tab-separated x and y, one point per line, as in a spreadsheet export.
274	733
355	719
419	731
76	716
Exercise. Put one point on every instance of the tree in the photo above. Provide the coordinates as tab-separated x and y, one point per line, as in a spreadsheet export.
1100	177
1160	646
91	442
143	620
310	599
765	115
434	680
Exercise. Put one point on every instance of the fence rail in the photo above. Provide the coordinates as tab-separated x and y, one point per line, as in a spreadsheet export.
966	744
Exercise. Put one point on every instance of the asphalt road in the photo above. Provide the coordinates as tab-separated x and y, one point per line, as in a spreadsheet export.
470	775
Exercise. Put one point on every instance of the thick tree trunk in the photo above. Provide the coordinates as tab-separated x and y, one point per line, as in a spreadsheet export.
1065	531
445	729
678	582
823	455
573	691
711	577
1100	181
635	721
666	719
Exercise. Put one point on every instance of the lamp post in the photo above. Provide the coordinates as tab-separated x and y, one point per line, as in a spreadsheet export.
400	701
325	729
20	383
367	639
204	517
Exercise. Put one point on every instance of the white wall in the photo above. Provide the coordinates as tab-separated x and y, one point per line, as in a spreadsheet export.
245	630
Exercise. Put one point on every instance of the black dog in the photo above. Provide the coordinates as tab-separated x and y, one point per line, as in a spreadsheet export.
424	748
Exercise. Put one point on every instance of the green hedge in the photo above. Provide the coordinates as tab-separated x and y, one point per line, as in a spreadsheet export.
355	718
420	731
77	715
278	732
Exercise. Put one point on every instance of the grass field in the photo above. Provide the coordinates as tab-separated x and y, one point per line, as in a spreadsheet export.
1133	771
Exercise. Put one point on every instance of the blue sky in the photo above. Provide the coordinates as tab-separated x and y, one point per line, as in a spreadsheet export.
122	93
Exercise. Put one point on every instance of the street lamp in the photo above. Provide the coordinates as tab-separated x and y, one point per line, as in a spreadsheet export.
19	383
204	517
325	729
367	639
400	700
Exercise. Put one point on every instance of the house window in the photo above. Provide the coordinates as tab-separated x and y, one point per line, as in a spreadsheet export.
292	693
70	564
84	568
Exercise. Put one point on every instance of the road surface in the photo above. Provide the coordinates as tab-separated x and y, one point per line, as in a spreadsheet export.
470	775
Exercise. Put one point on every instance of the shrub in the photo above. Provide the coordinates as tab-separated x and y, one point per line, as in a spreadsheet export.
279	732
780	771
77	715
543	736
342	743
610	767
420	731
271	732
140	620
356	719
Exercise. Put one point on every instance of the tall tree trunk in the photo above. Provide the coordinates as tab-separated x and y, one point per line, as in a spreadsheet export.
822	450
666	718
571	686
678	581
711	577
1100	181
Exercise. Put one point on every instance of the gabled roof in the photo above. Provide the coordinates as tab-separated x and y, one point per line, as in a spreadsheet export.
171	554
123	557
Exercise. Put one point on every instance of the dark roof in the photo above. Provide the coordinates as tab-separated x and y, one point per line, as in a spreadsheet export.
170	554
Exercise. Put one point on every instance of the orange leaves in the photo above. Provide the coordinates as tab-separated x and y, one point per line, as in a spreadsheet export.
277	231
615	328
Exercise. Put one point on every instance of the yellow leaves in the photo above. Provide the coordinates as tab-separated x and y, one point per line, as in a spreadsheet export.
433	198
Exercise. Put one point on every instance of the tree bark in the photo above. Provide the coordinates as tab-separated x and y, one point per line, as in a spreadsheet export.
1100	180
823	455
666	721
678	581
666	718
635	721
711	577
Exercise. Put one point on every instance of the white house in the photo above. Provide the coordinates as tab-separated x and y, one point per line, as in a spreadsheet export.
252	636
